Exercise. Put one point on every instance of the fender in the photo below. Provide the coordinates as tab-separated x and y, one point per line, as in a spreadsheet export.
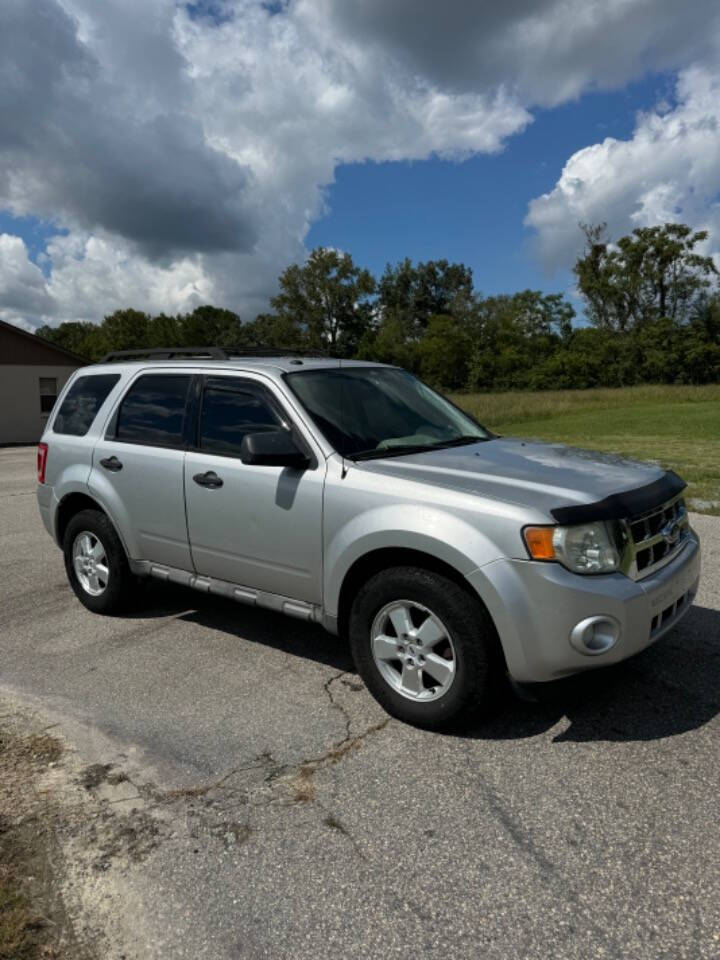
91	495
71	479
419	527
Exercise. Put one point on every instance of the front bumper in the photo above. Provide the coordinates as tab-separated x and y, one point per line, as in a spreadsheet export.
536	606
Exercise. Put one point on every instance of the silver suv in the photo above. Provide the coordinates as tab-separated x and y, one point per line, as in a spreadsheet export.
352	495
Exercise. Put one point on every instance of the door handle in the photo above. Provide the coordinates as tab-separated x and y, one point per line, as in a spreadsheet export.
111	463
208	479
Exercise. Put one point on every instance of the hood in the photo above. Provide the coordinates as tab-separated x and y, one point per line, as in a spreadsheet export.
545	476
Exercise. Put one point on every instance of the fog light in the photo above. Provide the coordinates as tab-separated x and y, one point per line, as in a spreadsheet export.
595	635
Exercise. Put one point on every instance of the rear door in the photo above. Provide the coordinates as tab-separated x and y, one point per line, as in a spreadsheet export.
138	468
260	526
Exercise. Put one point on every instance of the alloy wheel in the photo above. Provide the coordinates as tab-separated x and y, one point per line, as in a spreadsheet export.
413	650
90	563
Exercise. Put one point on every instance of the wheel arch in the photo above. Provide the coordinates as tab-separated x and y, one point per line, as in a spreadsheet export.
384	558
70	505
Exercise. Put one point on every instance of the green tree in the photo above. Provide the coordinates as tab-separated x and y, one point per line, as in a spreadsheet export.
80	337
409	297
701	361
164	330
125	330
591	357
271	330
414	294
329	296
388	342
654	272
514	335
444	352
209	326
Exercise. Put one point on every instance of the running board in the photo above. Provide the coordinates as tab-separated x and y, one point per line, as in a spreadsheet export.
222	588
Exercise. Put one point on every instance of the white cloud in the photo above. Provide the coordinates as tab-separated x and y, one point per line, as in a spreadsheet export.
187	155
669	170
23	291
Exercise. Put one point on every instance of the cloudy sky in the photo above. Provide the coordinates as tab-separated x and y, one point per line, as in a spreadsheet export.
159	154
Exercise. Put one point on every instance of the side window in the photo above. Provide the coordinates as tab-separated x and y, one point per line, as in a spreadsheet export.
153	411
230	409
82	402
48	393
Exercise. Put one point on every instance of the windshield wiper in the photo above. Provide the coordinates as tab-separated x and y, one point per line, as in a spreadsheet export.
459	441
392	451
401	451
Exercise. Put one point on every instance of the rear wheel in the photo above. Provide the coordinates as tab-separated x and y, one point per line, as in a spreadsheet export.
425	647
96	564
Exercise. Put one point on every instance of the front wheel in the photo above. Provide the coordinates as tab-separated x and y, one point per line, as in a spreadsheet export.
425	647
96	564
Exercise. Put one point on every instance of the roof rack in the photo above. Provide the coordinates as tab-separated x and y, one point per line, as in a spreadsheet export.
165	353
207	353
274	352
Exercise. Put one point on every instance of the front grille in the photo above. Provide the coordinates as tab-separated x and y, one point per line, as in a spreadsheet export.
657	536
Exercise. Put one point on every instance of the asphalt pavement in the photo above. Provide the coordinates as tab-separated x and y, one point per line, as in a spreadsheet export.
302	823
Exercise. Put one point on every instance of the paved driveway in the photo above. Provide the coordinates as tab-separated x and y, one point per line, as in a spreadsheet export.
585	826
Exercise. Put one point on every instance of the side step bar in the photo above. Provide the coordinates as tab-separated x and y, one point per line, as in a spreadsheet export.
311	612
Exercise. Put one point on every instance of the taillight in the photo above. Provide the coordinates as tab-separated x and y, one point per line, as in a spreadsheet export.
42	452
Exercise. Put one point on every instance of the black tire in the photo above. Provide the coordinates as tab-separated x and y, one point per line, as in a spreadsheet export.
118	592
477	657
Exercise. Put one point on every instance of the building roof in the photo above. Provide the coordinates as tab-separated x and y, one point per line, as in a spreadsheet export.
20	347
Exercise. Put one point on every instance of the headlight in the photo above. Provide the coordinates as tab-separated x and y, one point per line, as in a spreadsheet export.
587	548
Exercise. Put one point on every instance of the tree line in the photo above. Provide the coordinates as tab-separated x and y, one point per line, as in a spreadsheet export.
651	304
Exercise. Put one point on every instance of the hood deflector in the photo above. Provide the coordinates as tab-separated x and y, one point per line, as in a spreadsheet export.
619	506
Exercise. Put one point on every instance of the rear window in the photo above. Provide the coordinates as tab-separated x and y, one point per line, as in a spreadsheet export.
82	402
153	411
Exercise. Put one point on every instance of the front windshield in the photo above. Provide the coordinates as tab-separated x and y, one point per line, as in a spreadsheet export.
367	412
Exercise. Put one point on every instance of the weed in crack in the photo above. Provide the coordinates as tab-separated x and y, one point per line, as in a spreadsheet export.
303	786
94	775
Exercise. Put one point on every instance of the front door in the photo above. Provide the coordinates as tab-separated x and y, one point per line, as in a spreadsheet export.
256	526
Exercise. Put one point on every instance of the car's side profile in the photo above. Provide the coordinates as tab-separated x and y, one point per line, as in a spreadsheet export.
352	495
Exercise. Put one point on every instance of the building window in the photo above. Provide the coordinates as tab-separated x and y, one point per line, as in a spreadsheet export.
48	393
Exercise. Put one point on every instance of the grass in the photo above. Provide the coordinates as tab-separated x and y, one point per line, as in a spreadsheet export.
678	427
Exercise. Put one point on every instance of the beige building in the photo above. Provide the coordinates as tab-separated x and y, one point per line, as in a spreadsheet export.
32	373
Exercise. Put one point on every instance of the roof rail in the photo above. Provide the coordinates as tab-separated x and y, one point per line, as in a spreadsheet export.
207	353
165	353
274	352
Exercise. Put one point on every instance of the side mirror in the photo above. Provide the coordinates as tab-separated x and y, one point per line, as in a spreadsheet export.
273	448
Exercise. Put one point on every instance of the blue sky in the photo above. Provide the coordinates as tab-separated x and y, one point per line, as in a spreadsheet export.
473	211
34	232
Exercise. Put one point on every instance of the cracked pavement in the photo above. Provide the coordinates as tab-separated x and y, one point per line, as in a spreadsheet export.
256	802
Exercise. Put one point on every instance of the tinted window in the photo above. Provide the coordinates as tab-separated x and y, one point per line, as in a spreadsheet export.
82	402
153	411
230	409
370	412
